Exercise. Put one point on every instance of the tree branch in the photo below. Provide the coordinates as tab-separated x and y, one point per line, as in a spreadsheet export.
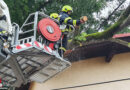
110	15
122	22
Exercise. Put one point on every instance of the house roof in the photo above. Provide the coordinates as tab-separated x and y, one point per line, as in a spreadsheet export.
104	48
121	35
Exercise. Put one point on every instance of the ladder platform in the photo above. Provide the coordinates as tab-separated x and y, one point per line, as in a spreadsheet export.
34	64
30	58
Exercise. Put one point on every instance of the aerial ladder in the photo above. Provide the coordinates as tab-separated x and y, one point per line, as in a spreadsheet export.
31	51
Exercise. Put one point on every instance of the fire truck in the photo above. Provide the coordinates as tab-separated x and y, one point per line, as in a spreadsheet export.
31	51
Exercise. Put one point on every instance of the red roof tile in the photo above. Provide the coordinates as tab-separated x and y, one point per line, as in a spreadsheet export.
121	35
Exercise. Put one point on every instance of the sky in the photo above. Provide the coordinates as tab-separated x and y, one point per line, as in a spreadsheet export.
112	5
110	8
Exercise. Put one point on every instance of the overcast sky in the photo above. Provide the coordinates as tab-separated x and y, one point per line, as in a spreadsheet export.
109	9
112	5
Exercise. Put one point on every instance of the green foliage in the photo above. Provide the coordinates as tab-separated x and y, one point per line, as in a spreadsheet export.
81	37
20	9
125	30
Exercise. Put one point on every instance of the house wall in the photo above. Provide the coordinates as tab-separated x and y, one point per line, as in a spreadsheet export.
92	71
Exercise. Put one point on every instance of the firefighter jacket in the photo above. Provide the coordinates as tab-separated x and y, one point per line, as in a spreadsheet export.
64	18
2	32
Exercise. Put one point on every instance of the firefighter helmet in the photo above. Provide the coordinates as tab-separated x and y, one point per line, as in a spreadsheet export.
54	15
67	8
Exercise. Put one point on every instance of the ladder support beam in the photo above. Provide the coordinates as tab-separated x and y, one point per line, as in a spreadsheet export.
17	71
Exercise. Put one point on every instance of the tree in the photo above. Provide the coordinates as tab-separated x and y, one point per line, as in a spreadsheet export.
121	23
110	15
20	9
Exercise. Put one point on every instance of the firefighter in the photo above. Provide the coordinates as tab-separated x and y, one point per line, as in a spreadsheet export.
64	18
2	23
5	29
5	22
3	37
3	33
54	45
55	17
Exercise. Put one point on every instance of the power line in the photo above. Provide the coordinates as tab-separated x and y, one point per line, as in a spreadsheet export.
92	84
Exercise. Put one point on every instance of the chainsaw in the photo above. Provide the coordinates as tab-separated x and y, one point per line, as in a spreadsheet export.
83	19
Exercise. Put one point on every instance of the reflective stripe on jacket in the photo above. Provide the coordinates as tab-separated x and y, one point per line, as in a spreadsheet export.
2	31
65	18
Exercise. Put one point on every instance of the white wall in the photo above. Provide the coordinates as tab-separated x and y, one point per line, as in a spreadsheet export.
89	71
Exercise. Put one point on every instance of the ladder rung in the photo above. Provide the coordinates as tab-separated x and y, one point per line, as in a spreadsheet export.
5	74
58	64
28	24
27	31
47	75
51	68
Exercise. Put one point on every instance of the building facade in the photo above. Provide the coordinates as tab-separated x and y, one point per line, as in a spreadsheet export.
92	74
